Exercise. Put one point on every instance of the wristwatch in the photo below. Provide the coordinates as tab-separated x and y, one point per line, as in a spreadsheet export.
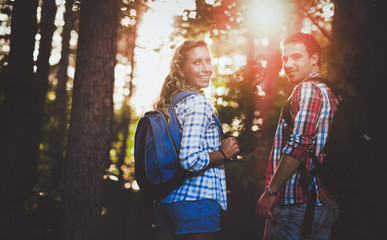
269	191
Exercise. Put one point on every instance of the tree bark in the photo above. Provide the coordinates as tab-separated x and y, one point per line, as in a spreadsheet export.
358	49
47	28
90	122
18	140
58	146
358	64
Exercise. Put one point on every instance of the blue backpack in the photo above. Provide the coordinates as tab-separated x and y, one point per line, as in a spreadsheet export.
156	151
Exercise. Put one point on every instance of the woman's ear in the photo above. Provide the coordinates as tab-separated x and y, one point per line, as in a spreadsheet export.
181	72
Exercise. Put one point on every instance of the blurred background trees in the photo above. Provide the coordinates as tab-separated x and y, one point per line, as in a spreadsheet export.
70	71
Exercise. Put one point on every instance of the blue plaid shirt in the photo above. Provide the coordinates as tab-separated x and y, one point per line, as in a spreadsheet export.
200	137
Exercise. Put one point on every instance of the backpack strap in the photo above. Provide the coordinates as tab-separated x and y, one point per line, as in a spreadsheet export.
179	96
286	108
218	125
286	113
174	125
307	176
331	85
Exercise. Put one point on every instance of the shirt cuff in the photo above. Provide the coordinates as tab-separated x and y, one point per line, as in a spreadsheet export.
296	151
196	163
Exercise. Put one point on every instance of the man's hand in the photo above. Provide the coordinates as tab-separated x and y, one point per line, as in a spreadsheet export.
287	166
265	204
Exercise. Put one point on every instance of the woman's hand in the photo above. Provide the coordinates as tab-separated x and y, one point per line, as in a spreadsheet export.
230	147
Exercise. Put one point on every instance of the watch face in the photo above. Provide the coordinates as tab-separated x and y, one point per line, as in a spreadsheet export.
270	192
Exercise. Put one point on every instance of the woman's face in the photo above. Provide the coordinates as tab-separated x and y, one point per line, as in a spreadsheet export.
197	68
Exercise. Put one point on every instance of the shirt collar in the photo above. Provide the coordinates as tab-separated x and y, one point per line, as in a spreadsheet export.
312	75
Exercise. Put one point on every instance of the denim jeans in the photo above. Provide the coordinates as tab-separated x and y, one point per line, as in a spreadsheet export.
188	216
287	222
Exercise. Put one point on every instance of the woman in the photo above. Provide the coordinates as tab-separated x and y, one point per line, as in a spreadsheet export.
193	210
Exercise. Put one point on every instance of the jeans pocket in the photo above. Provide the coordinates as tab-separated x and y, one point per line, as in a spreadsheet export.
186	211
327	215
332	212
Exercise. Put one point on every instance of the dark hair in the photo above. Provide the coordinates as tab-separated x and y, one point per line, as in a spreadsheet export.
311	44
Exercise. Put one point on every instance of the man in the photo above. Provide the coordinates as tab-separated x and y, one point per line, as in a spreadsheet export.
311	108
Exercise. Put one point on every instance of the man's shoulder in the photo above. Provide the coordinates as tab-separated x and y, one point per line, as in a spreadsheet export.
310	85
323	83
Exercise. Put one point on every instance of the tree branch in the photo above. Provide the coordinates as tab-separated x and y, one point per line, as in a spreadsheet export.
314	21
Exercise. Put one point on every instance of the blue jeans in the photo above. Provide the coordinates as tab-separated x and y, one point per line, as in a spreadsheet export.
287	222
188	216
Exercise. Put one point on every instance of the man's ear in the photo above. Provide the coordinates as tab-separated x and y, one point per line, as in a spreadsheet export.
315	57
181	72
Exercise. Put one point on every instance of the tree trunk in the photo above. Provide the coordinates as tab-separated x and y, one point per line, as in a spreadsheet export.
58	146
358	63
18	140
47	28
248	99
91	115
358	49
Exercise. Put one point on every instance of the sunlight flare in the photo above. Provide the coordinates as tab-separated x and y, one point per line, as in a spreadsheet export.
265	16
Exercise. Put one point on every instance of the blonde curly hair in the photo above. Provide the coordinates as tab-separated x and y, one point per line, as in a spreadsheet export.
174	82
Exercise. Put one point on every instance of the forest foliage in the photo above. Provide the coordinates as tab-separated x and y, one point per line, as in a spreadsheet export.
248	90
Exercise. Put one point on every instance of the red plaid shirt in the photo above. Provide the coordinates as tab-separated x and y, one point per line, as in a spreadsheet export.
312	107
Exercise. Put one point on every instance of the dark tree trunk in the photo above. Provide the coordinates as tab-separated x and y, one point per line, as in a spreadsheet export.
18	140
58	146
358	63
358	47
248	100
90	122
47	28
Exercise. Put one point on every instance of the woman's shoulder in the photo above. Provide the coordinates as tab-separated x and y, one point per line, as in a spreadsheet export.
194	100
194	103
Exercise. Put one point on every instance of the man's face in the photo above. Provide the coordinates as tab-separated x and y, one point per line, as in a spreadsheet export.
297	63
